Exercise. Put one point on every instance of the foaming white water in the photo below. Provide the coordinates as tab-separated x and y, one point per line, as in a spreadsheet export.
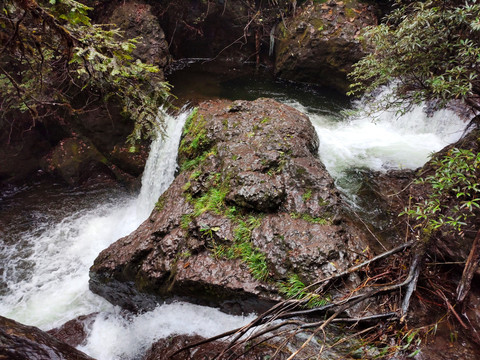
160	168
384	140
114	337
55	289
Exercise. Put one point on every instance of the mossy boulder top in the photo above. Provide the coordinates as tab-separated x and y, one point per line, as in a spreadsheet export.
251	208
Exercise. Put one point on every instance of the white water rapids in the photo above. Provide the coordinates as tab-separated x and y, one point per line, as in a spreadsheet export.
384	140
55	289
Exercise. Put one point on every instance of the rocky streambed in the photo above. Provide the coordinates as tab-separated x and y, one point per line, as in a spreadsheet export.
251	211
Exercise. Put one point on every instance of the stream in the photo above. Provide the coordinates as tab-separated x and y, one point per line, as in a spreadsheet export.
51	234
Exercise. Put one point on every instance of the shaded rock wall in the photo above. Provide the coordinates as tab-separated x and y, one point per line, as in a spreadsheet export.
322	42
225	29
251	207
28	146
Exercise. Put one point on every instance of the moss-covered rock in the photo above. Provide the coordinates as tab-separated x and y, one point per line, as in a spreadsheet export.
137	20
322	42
76	160
251	206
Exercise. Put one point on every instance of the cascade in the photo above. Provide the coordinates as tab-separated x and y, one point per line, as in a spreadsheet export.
53	287
272	41
45	281
382	140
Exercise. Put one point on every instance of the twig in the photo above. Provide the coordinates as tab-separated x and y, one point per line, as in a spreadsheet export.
450	307
365	263
368	229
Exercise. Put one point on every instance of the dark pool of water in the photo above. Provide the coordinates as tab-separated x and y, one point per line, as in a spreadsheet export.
198	81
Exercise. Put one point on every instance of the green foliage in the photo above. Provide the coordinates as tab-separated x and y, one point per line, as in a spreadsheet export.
455	181
212	200
185	221
195	146
307	195
160	204
195	174
195	139
54	59
429	48
242	247
188	122
294	288
309	218
209	230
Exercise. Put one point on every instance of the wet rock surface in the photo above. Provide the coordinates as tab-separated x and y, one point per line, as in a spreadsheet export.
321	43
75	331
165	347
226	30
251	207
137	20
20	155
76	160
21	342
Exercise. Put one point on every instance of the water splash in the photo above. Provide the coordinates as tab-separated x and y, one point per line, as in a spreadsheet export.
115	337
47	274
383	140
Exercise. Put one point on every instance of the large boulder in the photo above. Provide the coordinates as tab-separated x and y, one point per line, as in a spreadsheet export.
76	160
137	21
22	342
321	43
251	208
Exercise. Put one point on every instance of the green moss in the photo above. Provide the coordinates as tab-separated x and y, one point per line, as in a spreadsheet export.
185	254
185	221
350	13
195	145
195	174
160	204
307	195
294	288
187	186
322	201
318	24
311	219
283	31
242	247
189	164
189	121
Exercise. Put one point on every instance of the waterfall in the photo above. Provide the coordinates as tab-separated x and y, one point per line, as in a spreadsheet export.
272	41
53	291
161	165
46	279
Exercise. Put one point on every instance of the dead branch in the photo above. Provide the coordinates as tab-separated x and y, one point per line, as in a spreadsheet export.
277	317
471	266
